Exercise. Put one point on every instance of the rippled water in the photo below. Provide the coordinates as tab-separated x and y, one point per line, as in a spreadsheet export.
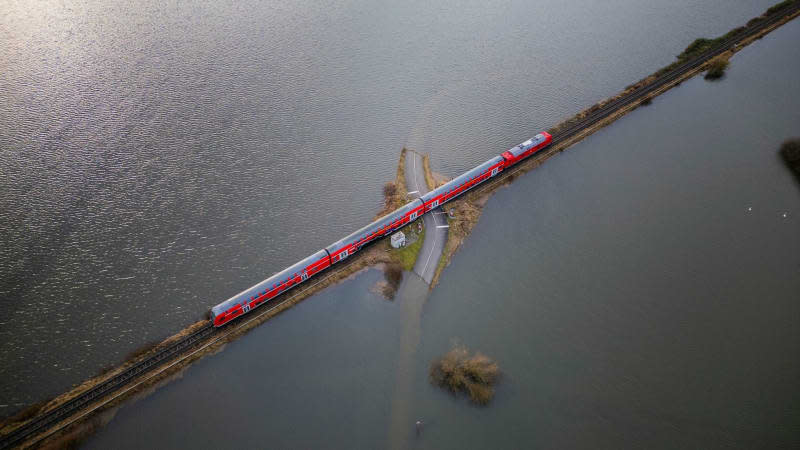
156	157
648	299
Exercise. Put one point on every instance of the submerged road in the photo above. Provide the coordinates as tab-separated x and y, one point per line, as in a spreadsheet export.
435	222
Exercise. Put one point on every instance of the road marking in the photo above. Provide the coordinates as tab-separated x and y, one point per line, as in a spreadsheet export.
416	183
443	226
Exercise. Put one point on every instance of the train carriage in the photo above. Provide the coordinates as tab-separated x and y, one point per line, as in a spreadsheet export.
340	250
463	183
273	286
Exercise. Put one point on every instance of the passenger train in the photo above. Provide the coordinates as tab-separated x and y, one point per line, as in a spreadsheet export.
249	299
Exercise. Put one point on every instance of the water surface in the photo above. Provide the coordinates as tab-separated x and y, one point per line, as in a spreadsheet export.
638	291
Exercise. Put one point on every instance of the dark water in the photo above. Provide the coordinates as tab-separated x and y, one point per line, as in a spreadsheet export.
648	299
157	157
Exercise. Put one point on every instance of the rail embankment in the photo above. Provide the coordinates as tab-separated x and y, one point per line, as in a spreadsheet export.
465	211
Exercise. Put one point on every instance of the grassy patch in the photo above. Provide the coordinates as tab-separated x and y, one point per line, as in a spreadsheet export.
406	256
474	375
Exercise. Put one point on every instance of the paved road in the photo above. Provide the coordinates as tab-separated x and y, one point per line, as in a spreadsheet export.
435	222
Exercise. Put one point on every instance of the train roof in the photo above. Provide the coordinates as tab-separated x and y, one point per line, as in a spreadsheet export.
278	277
527	145
374	226
461	179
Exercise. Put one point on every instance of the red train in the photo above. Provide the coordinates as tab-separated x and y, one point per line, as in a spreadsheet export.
298	273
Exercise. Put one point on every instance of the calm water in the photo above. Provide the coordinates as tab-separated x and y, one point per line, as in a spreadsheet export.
158	157
649	299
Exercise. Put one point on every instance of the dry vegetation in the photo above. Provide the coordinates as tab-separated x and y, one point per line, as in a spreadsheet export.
716	67
473	375
426	168
790	152
395	193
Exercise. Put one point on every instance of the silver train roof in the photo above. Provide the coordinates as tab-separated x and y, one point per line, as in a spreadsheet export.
461	179
374	226
527	145
267	284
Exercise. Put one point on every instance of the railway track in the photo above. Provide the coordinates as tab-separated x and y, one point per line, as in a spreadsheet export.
45	421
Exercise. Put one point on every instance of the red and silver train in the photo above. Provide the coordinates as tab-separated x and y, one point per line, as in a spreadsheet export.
249	299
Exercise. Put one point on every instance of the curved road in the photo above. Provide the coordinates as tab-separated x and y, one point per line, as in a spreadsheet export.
435	221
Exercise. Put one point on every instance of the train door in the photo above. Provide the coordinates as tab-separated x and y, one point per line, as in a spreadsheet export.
304	276
343	255
494	171
434	204
413	216
246	308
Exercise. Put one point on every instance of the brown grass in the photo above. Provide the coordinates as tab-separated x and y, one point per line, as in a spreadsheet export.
426	168
474	375
395	192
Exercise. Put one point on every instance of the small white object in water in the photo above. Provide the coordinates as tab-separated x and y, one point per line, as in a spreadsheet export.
784	215
749	208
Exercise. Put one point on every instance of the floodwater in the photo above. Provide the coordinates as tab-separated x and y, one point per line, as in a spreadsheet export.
158	157
639	290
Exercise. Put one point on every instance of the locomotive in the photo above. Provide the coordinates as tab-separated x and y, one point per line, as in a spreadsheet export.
300	272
